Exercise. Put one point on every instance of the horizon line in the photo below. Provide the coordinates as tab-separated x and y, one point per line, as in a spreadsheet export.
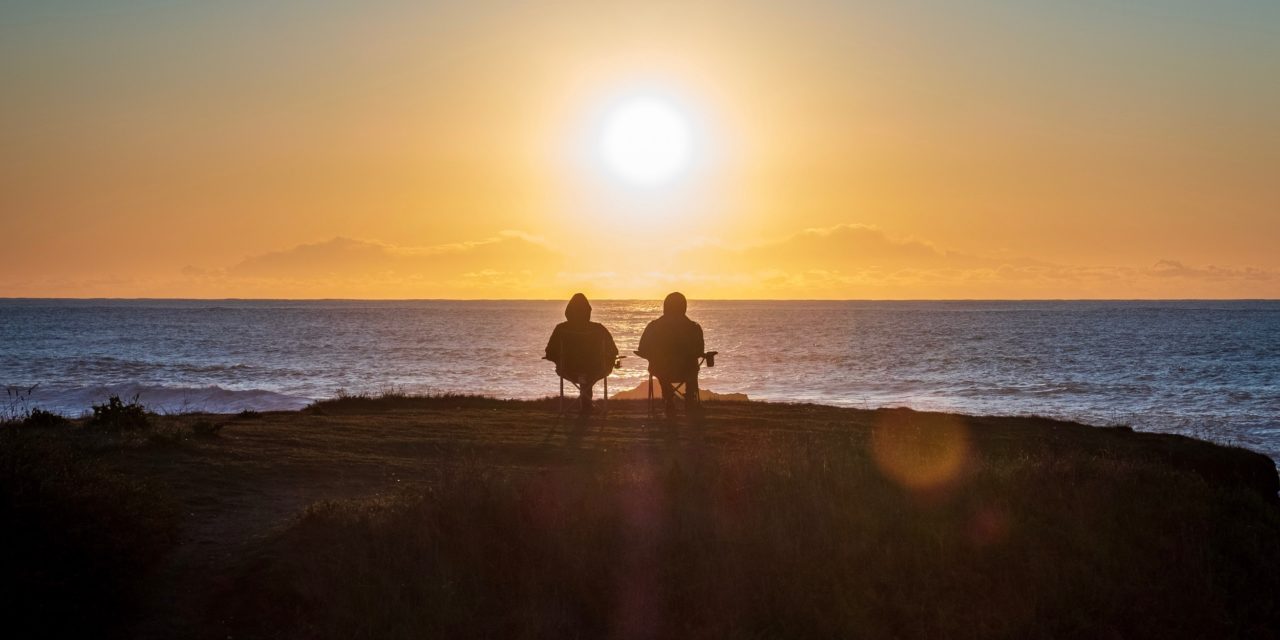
700	299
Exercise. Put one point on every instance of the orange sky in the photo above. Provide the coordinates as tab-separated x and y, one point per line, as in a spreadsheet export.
384	149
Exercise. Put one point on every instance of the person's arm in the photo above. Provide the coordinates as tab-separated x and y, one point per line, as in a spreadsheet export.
553	346
698	342
608	350
611	347
646	338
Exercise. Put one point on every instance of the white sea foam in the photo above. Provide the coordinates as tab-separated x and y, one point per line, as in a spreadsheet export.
76	401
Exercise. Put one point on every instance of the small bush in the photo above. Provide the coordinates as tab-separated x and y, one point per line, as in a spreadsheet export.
41	418
206	428
247	414
117	415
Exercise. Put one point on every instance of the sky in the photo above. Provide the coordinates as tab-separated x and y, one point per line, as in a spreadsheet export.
386	149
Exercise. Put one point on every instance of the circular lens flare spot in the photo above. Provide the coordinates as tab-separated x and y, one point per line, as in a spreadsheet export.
646	142
920	452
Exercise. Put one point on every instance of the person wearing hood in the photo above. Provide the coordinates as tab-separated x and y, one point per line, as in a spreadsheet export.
673	344
583	351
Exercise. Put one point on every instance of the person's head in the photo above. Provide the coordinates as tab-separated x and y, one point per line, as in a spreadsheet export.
578	309
675	304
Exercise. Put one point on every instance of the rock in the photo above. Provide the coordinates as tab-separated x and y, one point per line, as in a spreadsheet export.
641	392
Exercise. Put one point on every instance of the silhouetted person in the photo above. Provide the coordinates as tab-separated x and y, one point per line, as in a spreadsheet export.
583	350
673	344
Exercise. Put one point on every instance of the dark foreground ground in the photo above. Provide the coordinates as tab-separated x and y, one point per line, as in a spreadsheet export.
466	517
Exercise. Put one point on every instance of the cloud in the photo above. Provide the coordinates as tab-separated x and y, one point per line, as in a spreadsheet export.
842	247
511	264
843	261
859	261
348	258
1175	269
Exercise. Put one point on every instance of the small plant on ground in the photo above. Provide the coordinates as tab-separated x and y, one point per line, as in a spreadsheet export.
247	414
206	428
117	415
17	401
17	410
41	418
166	437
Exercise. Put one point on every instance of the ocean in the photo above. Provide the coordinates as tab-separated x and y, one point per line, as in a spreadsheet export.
1210	369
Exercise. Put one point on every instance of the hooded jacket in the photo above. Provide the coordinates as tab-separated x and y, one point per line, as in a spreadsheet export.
580	347
673	343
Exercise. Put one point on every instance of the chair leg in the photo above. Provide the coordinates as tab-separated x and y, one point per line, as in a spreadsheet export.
562	397
693	399
650	395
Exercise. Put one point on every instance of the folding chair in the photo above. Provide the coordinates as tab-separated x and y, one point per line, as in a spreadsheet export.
708	358
617	364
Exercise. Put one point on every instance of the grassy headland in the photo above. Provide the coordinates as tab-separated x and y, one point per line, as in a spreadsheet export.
468	517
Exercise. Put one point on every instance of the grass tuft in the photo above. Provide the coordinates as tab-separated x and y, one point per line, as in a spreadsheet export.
397	401
118	415
206	428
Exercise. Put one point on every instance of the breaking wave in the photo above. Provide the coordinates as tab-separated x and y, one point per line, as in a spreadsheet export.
76	401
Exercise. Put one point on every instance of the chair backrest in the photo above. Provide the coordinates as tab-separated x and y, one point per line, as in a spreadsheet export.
582	351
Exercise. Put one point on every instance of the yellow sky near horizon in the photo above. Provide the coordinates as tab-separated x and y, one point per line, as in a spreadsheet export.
840	150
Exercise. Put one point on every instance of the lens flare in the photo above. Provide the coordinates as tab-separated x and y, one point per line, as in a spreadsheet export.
920	451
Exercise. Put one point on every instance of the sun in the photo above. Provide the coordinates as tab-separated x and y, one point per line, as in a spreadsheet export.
646	142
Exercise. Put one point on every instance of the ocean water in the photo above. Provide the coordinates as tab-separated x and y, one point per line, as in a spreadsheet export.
1204	368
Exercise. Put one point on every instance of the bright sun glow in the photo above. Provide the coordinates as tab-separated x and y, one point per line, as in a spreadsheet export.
646	142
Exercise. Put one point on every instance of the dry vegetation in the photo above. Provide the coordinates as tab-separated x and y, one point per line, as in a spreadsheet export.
467	517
